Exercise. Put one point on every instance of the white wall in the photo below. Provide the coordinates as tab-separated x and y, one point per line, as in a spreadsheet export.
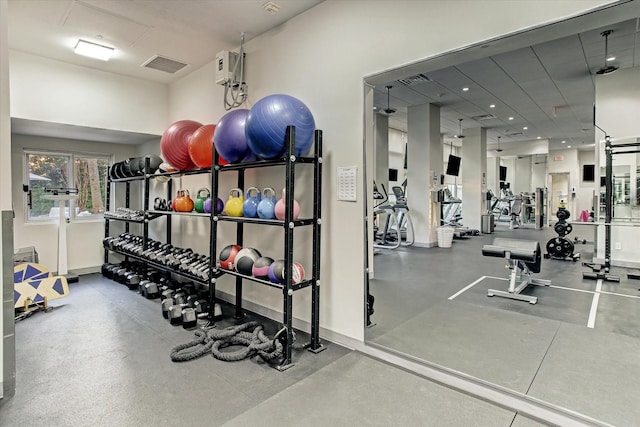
321	57
585	190
566	161
52	91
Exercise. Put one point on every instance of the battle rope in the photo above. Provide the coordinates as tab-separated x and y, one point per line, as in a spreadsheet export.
213	340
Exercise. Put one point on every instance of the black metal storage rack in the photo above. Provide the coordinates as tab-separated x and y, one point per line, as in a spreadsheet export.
290	160
145	208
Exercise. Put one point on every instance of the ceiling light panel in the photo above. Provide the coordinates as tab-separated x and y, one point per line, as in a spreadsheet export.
93	50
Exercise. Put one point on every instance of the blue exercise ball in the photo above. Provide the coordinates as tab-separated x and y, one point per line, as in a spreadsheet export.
229	138
267	125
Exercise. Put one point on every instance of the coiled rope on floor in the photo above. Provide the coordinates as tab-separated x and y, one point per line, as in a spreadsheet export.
214	340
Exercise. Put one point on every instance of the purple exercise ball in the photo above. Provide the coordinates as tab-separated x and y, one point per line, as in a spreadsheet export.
229	138
267	125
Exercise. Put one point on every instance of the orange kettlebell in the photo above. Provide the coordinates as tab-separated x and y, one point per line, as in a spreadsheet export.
183	202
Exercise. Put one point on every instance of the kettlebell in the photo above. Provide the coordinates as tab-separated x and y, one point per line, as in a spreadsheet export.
219	205
281	207
183	202
267	204
160	204
201	196
250	205
233	207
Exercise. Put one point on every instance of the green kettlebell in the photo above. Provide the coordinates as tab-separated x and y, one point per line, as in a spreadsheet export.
233	207
201	196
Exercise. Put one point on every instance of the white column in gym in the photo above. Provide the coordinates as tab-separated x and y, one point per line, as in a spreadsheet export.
381	151
424	162
473	168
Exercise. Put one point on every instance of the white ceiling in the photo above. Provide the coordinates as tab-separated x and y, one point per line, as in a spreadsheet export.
189	31
548	88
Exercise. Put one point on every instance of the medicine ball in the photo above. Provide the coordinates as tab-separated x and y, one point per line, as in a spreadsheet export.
260	268
228	256
245	259
276	272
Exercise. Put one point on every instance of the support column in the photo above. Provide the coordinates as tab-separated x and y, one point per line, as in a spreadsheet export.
424	163
473	168
381	151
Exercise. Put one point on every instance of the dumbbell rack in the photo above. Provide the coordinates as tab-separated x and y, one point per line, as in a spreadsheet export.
289	161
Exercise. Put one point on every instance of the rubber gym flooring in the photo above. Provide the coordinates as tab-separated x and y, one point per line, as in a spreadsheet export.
101	358
577	347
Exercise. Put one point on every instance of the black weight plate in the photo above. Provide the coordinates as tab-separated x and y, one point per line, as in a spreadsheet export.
560	247
563	228
560	228
563	214
134	166
118	170
126	169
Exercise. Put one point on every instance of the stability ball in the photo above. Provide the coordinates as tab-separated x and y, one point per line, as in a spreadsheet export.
174	143
267	125
201	147
229	137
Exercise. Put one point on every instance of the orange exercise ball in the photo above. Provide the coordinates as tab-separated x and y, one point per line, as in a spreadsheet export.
201	147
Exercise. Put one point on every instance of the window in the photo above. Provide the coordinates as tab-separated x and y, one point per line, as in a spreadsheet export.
85	172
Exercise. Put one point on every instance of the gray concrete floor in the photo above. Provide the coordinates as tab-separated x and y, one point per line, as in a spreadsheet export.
101	358
547	350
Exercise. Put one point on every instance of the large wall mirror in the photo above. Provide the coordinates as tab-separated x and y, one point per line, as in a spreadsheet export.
527	100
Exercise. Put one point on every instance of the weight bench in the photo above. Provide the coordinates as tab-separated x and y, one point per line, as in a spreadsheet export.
524	258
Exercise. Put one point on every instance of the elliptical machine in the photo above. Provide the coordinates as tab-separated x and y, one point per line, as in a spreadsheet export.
560	247
388	235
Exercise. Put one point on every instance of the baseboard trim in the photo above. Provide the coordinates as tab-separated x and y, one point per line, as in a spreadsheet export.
86	270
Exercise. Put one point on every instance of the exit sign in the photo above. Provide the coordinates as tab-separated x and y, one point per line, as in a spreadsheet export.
558	158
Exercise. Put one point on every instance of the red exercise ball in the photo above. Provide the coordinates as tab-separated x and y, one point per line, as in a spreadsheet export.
201	147
174	143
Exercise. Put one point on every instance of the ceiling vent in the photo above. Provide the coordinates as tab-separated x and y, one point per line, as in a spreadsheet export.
483	117
516	134
162	63
411	81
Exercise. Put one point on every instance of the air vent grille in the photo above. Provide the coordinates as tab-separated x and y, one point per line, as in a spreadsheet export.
410	81
516	134
162	63
483	117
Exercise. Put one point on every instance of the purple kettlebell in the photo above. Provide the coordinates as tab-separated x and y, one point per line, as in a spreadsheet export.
219	205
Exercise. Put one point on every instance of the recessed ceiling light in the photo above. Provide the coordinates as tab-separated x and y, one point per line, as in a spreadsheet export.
568	146
510	118
539	137
564	142
93	50
611	58
525	128
492	106
465	89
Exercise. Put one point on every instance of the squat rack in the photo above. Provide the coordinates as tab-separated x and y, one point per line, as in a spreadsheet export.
602	271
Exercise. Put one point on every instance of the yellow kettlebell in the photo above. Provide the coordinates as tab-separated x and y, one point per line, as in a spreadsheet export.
233	207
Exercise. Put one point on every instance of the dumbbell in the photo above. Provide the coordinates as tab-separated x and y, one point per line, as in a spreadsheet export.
166	304
151	290
189	318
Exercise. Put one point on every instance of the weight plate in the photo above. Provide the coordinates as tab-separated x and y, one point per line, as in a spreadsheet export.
560	247
563	214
